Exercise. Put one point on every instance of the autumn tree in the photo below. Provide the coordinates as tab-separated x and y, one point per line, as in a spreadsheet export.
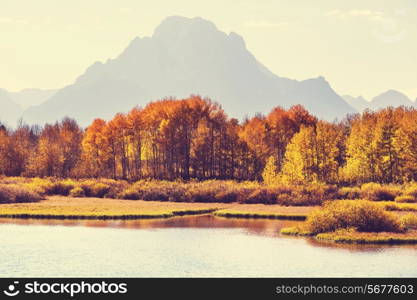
48	158
405	146
270	173
71	136
255	133
95	156
360	152
311	155
4	149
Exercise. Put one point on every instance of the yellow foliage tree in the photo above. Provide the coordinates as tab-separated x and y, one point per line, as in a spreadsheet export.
270	174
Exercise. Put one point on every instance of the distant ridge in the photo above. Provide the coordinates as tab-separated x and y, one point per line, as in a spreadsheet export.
389	98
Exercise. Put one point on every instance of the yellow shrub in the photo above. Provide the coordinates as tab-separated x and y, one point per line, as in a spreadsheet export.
409	221
377	192
405	199
362	215
13	193
77	192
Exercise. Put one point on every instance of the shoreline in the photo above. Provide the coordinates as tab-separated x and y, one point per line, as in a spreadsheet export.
63	207
351	236
108	217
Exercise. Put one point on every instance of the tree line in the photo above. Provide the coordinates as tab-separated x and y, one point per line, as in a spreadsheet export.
194	138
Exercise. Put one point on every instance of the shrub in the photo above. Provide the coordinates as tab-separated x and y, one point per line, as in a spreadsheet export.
349	193
227	196
362	215
130	194
40	185
262	195
409	221
395	206
17	194
377	192
314	194
115	186
60	187
77	192
99	190
203	194
405	199
102	187
14	180
411	190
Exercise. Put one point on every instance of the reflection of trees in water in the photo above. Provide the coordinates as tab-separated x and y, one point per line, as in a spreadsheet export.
251	226
265	227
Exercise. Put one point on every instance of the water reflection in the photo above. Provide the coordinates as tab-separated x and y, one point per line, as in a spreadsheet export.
264	227
251	226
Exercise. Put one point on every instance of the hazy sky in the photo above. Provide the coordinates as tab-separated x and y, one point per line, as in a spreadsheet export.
361	47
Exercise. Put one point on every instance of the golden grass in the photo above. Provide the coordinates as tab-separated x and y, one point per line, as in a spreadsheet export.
409	221
353	237
67	207
394	206
296	230
266	211
70	207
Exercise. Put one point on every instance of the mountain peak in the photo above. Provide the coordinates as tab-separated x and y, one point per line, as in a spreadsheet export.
392	92
175	27
392	97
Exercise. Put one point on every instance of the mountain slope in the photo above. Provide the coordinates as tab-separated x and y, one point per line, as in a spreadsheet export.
30	97
10	112
359	103
182	57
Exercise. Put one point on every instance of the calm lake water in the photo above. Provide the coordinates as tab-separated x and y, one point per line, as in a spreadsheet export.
199	246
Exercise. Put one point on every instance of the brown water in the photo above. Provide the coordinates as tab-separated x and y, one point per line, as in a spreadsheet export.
196	246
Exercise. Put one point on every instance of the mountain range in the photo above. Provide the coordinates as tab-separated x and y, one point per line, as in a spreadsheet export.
183	56
389	98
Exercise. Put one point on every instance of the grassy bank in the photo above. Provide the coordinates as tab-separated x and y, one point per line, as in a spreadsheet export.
64	207
260	211
354	237
58	207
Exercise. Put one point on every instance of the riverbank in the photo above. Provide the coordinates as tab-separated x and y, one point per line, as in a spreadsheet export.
65	207
61	207
354	237
351	236
260	211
